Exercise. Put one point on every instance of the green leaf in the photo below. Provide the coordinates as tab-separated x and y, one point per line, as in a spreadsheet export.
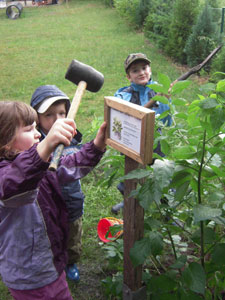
140	251
165	147
181	116
208	173
219	220
218	149
149	192
111	253
184	152
161	99
188	295
181	191
221	86
164	80
156	242
179	86
193	120
219	171
137	174
158	88
151	223
216	196
194	184
179	101
208	87
180	178
164	114
209	236
218	256
161	285
152	245
194	278
202	213
180	262
219	73
206	126
163	171
193	140
208	103
195	130
217	118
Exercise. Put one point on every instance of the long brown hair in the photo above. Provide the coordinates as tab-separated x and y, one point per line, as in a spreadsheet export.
13	115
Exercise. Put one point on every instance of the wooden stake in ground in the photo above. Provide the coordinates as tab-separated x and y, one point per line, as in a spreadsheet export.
130	130
133	219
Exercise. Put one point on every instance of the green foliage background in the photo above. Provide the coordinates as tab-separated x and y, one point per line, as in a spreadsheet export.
176	25
203	39
180	27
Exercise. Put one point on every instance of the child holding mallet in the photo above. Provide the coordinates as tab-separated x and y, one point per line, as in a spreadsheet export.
33	215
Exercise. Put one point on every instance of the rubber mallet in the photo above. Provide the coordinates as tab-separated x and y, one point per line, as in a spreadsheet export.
85	77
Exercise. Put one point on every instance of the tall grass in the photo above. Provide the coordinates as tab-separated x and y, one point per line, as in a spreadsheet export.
37	48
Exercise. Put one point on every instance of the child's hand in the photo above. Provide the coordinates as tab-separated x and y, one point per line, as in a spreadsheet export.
99	141
61	132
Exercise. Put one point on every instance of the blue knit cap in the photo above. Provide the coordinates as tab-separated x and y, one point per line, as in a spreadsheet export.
45	95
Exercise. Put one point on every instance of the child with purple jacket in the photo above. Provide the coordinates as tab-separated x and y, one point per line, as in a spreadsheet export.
33	214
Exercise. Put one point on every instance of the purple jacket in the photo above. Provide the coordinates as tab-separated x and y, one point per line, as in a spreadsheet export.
34	218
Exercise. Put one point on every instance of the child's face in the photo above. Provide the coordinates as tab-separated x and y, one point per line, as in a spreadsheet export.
139	73
48	118
26	137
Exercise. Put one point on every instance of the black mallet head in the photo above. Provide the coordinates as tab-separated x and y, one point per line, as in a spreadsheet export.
79	71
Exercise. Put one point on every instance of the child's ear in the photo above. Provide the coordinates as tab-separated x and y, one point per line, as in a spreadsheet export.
128	77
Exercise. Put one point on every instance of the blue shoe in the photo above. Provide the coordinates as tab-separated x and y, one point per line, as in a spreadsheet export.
73	273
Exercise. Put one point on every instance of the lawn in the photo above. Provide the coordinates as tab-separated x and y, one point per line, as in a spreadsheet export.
36	49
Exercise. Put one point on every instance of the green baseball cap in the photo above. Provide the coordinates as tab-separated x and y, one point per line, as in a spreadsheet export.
133	57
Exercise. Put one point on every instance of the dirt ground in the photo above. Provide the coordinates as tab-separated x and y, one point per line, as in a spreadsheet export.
89	287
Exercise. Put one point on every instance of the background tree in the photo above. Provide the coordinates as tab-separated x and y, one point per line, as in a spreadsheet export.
184	16
128	9
142	11
157	21
203	39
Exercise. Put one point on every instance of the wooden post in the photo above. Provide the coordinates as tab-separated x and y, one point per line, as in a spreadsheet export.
133	217
133	138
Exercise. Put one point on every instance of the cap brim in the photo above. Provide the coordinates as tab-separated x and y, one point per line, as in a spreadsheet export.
48	102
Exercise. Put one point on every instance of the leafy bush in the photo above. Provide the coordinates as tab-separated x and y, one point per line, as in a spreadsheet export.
219	63
142	11
157	22
184	241
216	10
127	9
180	28
204	38
109	3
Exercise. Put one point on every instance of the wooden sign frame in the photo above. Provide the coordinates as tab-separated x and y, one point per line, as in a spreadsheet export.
135	139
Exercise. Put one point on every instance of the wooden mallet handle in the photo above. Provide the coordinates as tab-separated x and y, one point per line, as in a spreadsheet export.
71	115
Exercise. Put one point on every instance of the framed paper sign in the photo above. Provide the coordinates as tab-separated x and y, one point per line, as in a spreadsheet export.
130	129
